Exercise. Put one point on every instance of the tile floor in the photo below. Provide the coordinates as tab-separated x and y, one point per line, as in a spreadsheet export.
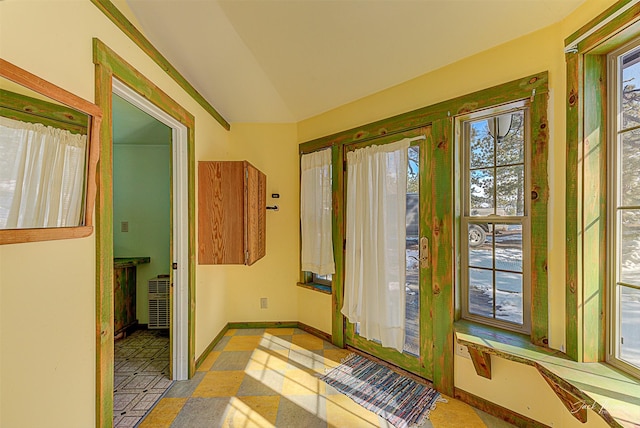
141	375
269	377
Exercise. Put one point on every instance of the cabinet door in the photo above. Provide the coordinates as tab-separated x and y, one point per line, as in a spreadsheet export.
255	209
221	224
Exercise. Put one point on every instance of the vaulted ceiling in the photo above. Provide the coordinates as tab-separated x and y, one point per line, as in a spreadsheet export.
288	60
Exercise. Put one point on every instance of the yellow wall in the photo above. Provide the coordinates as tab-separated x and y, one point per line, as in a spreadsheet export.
47	290
272	148
514	386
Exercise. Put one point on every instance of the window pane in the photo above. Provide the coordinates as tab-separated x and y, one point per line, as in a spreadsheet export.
630	169
509	247
327	277
629	322
480	248
412	287
480	145
509	296
630	101
510	148
412	298
481	192
630	247
481	292
510	190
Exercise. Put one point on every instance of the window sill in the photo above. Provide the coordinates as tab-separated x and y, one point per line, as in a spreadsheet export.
326	289
613	395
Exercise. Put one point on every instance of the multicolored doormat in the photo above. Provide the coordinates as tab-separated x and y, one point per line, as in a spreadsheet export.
403	402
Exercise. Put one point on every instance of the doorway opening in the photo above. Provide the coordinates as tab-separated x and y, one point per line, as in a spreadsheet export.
150	248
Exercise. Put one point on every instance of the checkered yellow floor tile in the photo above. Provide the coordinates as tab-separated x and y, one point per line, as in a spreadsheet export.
269	378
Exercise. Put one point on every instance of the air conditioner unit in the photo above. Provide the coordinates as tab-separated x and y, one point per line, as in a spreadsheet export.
159	304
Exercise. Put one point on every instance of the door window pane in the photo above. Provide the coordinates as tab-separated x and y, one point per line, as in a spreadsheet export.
412	288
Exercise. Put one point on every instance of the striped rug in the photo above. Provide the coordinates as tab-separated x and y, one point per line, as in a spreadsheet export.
403	402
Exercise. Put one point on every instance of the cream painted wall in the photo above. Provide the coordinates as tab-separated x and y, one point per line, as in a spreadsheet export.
539	51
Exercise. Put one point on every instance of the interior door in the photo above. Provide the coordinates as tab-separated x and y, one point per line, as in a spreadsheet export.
417	355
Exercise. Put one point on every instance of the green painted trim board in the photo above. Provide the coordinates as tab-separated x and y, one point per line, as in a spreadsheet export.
109	65
121	21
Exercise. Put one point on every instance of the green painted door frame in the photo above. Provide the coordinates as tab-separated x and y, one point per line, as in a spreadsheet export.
421	365
109	65
439	219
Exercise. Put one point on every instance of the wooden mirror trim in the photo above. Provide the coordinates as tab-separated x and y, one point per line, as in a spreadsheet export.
35	83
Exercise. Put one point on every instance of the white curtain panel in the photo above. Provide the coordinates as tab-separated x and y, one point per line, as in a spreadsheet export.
316	213
374	289
42	173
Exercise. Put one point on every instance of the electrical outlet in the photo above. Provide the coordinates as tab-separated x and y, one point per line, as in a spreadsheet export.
264	303
462	351
124	226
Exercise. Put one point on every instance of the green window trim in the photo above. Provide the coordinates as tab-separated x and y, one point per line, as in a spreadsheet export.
586	202
442	221
28	109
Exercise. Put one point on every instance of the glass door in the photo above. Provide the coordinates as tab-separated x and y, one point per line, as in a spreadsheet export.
416	356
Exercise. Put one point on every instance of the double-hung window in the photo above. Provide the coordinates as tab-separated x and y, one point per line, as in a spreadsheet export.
494	218
624	207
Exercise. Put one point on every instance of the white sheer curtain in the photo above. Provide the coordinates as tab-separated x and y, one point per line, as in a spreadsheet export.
42	173
375	265
316	213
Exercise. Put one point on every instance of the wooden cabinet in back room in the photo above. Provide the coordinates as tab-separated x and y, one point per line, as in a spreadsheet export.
232	200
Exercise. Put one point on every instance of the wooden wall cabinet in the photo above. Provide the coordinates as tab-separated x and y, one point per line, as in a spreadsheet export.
232	201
